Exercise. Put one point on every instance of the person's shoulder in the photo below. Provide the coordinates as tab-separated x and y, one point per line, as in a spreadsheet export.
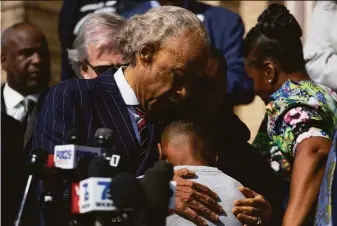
217	11
72	85
70	89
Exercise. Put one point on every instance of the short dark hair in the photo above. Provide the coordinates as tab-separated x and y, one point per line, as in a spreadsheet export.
277	37
187	128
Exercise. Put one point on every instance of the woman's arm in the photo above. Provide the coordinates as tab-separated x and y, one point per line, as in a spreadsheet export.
308	169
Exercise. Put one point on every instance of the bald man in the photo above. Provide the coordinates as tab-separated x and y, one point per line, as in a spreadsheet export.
25	58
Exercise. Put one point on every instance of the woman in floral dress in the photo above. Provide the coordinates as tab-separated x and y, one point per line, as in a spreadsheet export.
300	114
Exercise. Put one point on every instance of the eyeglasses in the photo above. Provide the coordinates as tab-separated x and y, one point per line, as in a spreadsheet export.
100	69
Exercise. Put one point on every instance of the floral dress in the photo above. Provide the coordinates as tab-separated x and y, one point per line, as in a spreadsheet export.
296	111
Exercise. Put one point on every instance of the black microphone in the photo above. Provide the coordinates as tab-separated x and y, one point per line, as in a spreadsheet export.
37	162
157	187
126	193
129	197
105	138
100	173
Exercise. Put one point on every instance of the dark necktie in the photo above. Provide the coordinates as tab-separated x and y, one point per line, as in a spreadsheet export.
143	129
29	106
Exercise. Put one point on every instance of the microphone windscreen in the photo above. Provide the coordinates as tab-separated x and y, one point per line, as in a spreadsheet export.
127	192
104	132
104	137
81	171
37	160
157	188
100	167
74	136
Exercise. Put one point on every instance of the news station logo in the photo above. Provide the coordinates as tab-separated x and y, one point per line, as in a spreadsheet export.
95	195
67	156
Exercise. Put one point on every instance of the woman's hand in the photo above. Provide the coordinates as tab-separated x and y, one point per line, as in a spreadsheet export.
253	210
194	201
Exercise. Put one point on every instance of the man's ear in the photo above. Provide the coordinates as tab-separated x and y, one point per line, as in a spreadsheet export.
84	70
270	72
4	61
160	152
146	54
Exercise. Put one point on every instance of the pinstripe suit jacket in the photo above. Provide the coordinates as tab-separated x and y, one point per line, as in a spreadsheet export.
87	105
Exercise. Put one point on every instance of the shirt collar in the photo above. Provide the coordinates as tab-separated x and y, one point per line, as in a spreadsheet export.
198	168
154	4
12	97
127	92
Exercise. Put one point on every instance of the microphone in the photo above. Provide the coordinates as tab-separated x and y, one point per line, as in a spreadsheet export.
157	186
94	191
104	138
114	200
66	156
36	163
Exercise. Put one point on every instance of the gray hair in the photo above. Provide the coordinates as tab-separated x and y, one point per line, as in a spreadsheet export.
100	29
154	27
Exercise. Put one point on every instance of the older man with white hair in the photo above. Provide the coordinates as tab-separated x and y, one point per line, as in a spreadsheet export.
164	61
95	48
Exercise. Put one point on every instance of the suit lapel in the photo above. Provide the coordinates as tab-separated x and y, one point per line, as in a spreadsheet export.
3	106
112	111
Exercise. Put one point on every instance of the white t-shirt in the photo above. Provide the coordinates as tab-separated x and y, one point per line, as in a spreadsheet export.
226	188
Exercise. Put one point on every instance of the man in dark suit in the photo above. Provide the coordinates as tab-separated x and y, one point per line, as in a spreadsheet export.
25	58
163	64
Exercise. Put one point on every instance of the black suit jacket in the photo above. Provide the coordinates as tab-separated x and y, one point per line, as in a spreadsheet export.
87	105
16	140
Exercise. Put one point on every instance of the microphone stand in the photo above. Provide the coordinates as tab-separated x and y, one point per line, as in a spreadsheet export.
23	203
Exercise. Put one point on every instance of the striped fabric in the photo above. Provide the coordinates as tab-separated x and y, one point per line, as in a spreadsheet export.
87	105
143	128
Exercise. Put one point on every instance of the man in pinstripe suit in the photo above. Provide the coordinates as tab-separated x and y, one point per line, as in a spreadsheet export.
167	48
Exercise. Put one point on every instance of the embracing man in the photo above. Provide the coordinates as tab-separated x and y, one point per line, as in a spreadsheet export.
168	50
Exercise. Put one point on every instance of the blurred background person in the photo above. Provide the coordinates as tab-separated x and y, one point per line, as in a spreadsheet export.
300	115
72	16
95	47
225	30
320	49
25	58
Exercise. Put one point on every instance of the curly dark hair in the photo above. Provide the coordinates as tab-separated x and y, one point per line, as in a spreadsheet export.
276	36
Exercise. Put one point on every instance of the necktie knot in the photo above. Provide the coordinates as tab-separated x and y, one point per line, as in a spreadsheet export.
143	129
28	105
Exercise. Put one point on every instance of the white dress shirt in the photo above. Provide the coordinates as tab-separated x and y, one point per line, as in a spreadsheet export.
16	104
129	98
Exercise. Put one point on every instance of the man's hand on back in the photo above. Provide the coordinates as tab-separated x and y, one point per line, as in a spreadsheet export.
194	201
253	210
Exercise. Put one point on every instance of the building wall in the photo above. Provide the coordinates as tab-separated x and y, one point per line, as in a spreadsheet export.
44	14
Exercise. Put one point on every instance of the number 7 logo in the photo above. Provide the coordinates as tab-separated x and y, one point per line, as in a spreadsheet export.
106	190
